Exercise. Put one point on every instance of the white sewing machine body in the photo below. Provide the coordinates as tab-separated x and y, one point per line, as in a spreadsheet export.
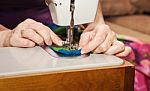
35	60
85	11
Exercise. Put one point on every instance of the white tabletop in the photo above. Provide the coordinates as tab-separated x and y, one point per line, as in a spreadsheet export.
33	60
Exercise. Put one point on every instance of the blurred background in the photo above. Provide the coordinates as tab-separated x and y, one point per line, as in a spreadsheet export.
130	17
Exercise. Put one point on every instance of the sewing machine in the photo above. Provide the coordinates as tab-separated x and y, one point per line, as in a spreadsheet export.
33	69
70	13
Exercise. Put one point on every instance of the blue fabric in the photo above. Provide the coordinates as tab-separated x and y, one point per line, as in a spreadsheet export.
53	26
65	52
69	52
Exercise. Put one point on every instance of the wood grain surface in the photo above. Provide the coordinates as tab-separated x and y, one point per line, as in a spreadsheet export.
104	79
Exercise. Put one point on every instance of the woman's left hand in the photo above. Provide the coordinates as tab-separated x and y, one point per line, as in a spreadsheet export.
98	38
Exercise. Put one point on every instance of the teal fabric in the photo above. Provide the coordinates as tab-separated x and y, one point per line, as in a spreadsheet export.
65	52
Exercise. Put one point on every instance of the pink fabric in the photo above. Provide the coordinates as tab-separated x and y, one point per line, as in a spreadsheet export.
140	56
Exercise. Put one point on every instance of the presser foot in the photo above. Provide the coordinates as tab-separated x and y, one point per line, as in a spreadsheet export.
71	46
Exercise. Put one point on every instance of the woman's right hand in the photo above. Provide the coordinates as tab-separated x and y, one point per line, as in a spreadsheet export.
29	32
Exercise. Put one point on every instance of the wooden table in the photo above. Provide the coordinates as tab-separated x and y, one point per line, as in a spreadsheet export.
116	78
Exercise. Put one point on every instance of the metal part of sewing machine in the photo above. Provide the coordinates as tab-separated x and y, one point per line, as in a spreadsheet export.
69	41
70	13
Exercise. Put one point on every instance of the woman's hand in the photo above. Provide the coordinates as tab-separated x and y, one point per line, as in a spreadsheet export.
29	32
98	38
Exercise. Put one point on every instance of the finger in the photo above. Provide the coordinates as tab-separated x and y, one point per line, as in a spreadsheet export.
32	35
23	25
89	27
125	53
81	26
48	35
116	47
95	42
85	39
45	34
56	40
106	44
21	42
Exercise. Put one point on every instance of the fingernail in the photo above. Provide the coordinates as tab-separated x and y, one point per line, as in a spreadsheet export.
79	48
83	52
31	44
60	43
49	42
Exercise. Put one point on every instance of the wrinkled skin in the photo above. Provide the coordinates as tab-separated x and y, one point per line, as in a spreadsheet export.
29	32
99	38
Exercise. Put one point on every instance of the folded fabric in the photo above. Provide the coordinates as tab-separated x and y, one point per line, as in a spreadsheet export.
62	51
61	31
